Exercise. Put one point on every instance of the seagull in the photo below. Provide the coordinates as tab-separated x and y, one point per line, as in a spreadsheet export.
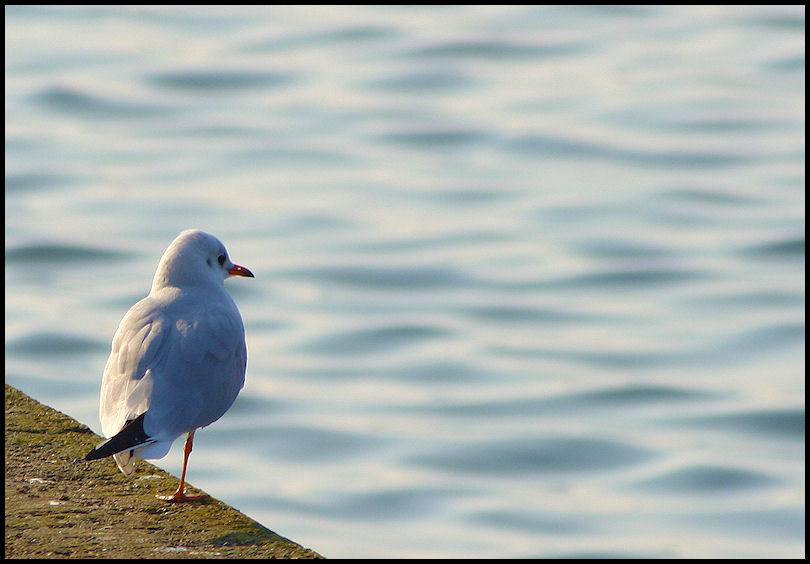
178	358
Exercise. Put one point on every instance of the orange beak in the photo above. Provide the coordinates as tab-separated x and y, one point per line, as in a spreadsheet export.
240	271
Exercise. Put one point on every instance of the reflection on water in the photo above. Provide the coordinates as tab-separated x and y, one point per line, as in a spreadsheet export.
529	280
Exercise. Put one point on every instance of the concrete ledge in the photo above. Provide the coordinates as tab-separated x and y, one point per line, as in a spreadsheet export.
58	505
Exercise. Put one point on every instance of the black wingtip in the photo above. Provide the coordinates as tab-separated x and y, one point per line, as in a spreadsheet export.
95	454
131	436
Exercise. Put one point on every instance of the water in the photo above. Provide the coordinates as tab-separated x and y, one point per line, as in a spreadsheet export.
529	280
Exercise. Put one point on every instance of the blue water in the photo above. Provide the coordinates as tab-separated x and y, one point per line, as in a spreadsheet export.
529	280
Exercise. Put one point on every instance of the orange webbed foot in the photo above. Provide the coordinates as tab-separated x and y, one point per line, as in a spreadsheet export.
180	497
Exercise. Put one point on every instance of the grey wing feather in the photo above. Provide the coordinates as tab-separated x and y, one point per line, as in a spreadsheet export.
207	370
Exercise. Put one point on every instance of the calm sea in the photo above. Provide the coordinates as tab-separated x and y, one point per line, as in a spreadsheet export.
530	281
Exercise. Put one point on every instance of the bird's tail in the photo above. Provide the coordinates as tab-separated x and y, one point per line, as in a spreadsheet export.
120	446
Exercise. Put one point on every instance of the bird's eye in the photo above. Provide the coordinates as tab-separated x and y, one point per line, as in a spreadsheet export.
221	259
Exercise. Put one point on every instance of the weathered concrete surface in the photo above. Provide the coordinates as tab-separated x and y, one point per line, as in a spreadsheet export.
58	505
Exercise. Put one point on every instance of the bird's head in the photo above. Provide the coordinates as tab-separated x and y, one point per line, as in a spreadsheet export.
196	258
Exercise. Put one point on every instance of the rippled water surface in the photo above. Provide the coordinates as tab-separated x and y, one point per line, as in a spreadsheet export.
529	281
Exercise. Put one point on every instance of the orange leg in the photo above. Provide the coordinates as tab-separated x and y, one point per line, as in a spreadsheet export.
180	494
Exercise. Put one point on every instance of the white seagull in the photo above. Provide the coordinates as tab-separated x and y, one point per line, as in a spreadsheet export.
178	358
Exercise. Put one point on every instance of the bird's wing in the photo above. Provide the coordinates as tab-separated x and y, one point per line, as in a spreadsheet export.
126	388
204	368
183	363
